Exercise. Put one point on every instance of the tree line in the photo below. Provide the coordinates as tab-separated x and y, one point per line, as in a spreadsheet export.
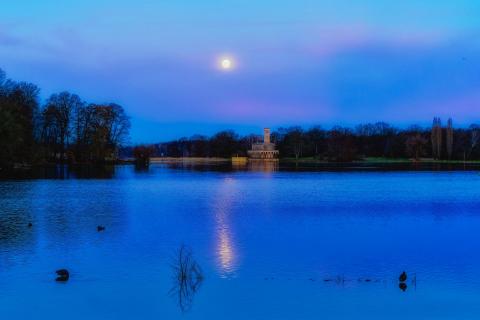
338	144
67	129
62	129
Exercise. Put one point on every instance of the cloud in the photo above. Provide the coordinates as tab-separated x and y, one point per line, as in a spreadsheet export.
7	39
348	74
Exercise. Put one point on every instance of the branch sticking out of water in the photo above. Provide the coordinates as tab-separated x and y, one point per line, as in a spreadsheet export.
187	277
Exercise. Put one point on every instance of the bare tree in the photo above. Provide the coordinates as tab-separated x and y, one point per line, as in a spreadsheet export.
474	139
450	138
100	130
341	145
415	145
297	142
59	112
437	138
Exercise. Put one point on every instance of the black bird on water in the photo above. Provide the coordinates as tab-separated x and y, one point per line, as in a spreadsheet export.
30	225
403	277
63	275
100	228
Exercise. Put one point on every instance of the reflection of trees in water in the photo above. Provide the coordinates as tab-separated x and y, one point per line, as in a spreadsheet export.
64	214
62	172
187	278
17	239
71	215
15	217
219	166
139	168
14	230
80	172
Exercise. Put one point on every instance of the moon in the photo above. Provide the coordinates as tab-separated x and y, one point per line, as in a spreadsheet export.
226	63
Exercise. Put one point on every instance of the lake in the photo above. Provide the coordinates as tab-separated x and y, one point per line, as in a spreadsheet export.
272	243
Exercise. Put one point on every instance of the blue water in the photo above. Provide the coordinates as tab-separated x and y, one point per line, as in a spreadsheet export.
266	242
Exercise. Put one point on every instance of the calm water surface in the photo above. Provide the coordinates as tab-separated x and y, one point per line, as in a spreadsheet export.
272	245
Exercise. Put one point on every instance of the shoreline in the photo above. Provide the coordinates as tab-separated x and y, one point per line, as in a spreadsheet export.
107	170
369	161
188	159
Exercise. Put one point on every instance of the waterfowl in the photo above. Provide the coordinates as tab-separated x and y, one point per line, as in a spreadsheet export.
63	275
403	277
100	228
402	286
30	225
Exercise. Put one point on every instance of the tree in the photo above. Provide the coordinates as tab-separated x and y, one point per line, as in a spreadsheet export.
436	137
415	145
199	146
224	144
96	131
100	131
292	141
58	112
341	145
474	138
10	136
50	132
108	129
450	139
18	121
316	141
375	140
142	154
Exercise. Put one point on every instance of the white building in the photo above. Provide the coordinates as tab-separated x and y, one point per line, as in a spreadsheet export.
263	150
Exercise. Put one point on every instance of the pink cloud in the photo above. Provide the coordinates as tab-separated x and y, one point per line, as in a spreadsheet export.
328	41
255	111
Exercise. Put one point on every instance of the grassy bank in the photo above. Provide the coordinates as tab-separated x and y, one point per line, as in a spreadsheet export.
384	161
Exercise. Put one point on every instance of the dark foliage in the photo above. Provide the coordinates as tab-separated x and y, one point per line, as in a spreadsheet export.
339	144
65	128
142	154
68	129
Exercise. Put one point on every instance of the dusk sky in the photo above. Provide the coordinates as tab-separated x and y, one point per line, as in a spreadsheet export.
300	62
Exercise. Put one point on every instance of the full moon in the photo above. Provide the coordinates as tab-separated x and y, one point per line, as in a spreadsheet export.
226	64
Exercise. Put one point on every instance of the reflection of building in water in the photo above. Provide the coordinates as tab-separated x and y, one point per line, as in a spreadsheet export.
265	150
265	166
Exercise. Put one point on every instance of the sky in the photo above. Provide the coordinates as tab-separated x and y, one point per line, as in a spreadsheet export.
302	62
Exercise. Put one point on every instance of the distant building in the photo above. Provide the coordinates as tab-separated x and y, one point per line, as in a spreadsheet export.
263	150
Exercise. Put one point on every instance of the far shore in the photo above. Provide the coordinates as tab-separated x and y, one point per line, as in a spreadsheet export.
307	161
384	161
311	160
367	162
188	159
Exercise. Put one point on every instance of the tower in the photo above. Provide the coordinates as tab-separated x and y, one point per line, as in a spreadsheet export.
266	135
